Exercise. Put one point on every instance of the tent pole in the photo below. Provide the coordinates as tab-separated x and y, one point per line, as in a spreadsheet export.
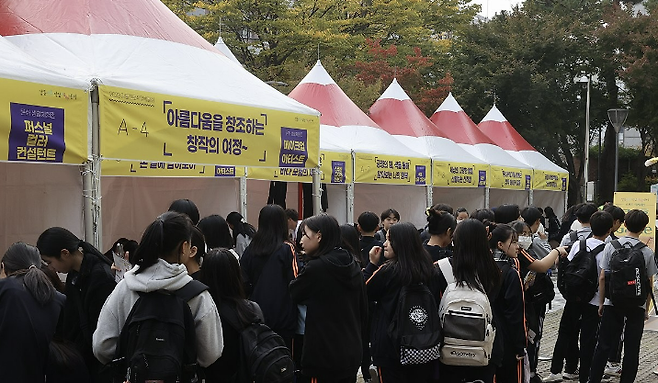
486	197
243	194
93	213
350	191
531	197
429	193
317	191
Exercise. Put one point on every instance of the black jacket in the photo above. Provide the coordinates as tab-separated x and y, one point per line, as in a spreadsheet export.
266	283
437	252
86	292
367	243
331	286
26	329
508	310
383	287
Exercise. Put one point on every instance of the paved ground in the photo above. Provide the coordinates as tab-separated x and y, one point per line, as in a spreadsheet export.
648	349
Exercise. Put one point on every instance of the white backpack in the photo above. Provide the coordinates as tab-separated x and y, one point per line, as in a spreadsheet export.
466	321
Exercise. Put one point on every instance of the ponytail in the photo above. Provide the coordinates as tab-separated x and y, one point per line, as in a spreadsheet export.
162	237
24	260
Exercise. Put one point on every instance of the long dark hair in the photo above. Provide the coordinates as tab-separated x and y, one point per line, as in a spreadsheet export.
272	231
472	262
439	221
349	240
24	260
240	226
328	227
412	262
52	241
221	273
162	237
199	241
501	232
216	231
186	207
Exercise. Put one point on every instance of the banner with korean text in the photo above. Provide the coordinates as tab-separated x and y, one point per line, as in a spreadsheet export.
554	181
144	126
335	167
393	170
510	178
459	174
641	201
43	123
169	169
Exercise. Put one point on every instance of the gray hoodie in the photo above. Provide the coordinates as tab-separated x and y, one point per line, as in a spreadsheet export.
160	276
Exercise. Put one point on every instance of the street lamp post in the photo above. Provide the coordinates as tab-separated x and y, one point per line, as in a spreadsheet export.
586	80
617	118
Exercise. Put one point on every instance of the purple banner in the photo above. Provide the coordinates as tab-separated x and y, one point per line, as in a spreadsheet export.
421	175
564	184
528	182
294	149
37	133
337	172
482	178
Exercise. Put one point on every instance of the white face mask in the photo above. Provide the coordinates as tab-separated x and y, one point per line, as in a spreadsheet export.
459	221
525	242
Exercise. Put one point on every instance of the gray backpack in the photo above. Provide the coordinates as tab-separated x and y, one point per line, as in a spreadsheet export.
466	321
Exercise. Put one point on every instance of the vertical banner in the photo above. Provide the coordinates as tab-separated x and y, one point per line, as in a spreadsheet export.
43	123
641	201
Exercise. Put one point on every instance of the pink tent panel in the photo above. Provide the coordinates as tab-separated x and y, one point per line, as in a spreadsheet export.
454	123
502	133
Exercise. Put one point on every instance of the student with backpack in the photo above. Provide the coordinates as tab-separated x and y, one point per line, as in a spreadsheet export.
509	306
406	276
582	275
472	268
540	246
441	225
243	232
331	287
631	266
158	323
89	281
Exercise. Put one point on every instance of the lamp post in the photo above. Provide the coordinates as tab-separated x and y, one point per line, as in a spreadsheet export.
586	80
617	118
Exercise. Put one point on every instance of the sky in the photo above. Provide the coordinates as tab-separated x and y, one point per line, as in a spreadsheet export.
491	7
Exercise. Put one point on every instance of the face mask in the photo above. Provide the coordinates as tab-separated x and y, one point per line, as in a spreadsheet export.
459	221
525	242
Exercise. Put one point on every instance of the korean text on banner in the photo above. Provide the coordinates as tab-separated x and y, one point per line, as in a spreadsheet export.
43	123
545	180
280	174
641	201
394	170
459	174
139	125
510	178
169	169
336	167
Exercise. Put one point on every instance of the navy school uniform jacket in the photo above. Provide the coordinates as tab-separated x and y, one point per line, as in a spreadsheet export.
266	282
383	286
509	310
331	286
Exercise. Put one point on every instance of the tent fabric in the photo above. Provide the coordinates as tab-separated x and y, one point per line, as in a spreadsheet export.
226	51
496	126
319	91
396	113
88	17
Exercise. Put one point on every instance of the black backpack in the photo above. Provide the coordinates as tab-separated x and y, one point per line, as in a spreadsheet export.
581	274
264	356
416	327
542	291
157	341
628	284
563	262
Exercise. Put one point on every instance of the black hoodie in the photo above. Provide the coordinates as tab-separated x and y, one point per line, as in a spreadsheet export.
332	288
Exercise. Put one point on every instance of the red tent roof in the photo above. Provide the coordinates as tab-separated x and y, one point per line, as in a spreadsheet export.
496	126
319	91
142	18
396	113
454	123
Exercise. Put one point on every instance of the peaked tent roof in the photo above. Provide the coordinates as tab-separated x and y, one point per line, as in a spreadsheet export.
319	91
496	126
87	17
452	121
396	113
222	47
134	44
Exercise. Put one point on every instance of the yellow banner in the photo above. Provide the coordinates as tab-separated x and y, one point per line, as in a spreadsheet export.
459	174
138	125
383	169
641	201
43	123
168	169
510	178
336	168
544	180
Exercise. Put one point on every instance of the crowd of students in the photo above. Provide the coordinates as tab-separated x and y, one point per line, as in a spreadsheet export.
330	291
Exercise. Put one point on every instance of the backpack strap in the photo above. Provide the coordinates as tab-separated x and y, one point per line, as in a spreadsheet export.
597	249
446	270
616	244
190	290
573	236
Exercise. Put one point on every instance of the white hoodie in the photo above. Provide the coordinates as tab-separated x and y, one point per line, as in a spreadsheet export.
160	276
